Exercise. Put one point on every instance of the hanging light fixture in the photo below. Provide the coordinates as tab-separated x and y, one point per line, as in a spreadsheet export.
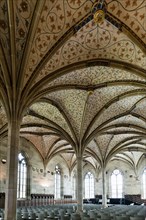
99	10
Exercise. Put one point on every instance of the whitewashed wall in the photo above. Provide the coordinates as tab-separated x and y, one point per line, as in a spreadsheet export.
43	182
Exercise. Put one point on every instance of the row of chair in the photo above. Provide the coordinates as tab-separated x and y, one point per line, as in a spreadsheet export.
90	212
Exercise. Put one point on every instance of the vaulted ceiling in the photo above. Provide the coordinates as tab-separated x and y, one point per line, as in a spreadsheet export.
80	86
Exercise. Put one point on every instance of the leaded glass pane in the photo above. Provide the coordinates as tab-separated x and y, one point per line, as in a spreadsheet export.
22	176
116	184
144	183
89	185
57	182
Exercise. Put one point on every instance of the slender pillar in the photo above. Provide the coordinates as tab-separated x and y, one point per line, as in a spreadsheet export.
12	167
104	199
79	184
28	183
62	185
75	182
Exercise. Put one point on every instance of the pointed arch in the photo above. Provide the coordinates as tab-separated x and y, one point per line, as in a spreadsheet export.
89	185
116	180
144	183
57	176
22	176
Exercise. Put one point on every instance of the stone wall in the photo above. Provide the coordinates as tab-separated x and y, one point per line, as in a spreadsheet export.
42	179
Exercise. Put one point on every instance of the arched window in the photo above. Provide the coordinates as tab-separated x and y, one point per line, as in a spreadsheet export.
22	177
144	183
116	184
57	182
89	185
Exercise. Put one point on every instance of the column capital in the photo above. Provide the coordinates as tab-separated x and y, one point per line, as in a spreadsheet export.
79	156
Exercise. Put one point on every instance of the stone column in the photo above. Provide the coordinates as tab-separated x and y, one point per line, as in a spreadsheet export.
28	183
75	188
79	184
12	167
62	185
104	199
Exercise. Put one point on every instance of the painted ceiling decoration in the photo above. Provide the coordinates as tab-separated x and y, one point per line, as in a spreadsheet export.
79	80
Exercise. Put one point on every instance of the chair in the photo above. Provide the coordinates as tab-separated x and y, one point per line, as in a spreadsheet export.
32	216
61	211
19	216
92	214
75	216
25	216
65	217
50	218
51	214
69	211
137	218
40	216
105	216
122	218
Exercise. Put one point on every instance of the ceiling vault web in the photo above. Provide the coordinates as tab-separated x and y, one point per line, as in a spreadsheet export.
77	85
